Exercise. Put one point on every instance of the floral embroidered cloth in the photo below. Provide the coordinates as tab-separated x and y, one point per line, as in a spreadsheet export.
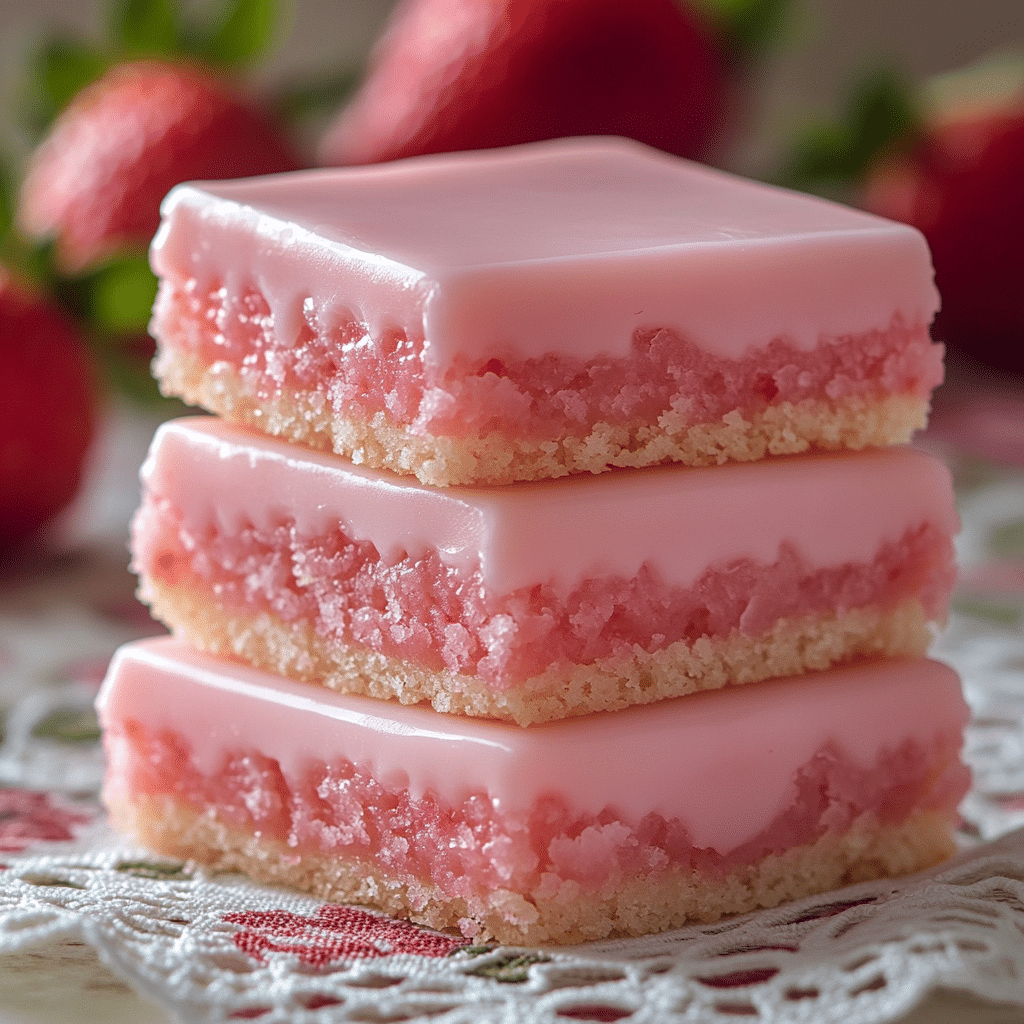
219	948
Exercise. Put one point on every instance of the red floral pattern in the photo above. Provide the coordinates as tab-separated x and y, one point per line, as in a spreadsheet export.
334	933
27	817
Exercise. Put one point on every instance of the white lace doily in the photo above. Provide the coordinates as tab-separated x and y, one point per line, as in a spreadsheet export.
221	948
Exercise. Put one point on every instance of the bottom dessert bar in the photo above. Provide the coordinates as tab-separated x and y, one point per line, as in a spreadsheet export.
613	824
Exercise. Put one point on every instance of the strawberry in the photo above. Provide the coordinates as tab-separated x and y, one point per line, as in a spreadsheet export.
95	183
451	75
47	410
946	156
962	185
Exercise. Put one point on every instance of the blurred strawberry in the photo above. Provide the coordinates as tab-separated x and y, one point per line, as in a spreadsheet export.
948	158
95	184
962	185
47	413
120	118
451	75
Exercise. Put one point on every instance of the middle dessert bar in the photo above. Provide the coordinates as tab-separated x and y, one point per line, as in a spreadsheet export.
539	601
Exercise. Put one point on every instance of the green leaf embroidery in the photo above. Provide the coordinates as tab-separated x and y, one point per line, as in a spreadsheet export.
68	725
471	951
51	881
170	871
510	969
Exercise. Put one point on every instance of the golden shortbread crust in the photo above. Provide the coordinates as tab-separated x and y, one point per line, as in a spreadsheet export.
495	458
557	911
296	650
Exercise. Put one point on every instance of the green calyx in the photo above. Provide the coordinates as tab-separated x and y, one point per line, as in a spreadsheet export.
748	28
880	115
229	38
111	302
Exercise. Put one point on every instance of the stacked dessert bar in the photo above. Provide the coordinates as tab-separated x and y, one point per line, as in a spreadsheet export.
525	461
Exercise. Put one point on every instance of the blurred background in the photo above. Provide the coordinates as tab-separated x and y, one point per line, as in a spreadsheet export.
818	94
823	45
867	102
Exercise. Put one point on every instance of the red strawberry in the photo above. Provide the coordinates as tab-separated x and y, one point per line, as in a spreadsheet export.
96	182
473	74
962	185
47	411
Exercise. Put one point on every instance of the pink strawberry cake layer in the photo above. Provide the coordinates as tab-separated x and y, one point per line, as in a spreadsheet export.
537	601
563	307
612	824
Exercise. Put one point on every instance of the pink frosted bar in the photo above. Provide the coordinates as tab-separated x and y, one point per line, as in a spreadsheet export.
503	601
562	307
503	829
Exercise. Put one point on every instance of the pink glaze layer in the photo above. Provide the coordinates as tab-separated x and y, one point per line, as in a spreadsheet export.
829	509
503	583
228	321
714	778
564	248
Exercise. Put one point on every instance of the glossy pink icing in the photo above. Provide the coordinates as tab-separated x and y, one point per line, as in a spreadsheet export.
829	509
427	614
722	766
567	247
547	397
339	809
432	605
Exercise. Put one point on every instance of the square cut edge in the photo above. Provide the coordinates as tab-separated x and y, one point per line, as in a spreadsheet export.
539	601
763	268
534	835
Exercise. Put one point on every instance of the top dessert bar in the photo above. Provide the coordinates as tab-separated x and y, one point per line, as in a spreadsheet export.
565	307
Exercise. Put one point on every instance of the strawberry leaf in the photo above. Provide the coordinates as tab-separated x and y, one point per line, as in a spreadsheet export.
748	27
121	295
829	157
33	261
319	97
820	161
246	30
1007	540
883	115
123	363
112	305
144	27
7	200
59	69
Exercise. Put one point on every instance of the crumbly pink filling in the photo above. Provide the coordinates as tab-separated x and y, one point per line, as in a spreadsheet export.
428	613
474	847
548	397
